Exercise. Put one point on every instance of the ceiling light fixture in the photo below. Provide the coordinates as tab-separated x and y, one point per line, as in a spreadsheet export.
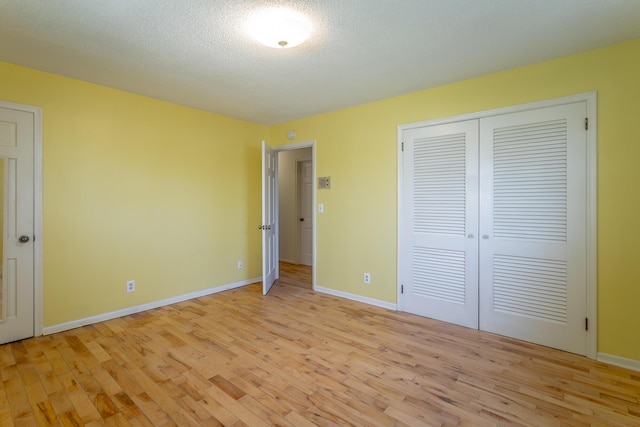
279	27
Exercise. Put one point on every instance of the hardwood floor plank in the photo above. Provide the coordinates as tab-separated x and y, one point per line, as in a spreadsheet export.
126	406
300	358
21	411
243	413
150	409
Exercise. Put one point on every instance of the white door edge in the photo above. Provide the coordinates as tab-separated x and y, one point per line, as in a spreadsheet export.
591	233
296	146
37	214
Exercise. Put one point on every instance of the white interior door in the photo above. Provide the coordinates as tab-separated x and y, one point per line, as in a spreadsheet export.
440	258
533	226
269	218
17	198
306	212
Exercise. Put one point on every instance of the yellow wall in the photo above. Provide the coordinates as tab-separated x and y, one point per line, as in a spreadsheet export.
136	188
357	148
141	189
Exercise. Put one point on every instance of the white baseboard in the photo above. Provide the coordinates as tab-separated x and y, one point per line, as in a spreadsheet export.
623	362
144	307
354	297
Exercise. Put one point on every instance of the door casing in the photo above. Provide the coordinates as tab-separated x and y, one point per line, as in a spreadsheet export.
296	146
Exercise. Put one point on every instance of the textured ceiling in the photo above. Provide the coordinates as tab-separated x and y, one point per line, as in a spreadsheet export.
195	53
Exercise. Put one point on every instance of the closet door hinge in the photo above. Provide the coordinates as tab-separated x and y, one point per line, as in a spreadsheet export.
586	323
586	123
402	289
402	146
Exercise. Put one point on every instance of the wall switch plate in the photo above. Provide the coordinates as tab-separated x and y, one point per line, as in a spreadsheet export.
367	278
240	265
320	208
324	183
131	285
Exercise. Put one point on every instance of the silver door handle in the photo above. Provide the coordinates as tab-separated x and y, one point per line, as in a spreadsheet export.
23	239
485	236
470	236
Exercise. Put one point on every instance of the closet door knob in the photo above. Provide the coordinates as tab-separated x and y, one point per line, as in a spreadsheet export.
485	236
470	236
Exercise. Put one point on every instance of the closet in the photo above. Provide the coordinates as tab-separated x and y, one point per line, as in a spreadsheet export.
494	223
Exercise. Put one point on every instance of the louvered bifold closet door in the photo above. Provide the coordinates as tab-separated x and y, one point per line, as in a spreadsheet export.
440	259
532	226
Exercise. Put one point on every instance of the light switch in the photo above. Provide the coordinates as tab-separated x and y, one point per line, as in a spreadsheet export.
320	208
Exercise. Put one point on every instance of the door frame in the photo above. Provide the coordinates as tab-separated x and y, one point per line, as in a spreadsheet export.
37	211
592	170
296	146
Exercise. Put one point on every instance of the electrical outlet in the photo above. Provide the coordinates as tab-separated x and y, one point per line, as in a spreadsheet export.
367	278
240	265
131	285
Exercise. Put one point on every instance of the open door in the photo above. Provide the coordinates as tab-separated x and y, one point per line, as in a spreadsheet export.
269	218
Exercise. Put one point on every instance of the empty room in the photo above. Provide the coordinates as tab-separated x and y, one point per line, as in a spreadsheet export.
298	213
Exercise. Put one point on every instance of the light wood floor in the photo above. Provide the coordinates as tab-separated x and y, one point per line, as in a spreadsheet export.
297	358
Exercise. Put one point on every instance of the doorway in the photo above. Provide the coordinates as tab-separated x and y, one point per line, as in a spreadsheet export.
296	222
291	206
289	233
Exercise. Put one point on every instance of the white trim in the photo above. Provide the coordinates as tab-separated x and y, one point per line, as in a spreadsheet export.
144	307
38	318
623	362
592	171
400	220
37	211
296	146
592	224
359	298
588	96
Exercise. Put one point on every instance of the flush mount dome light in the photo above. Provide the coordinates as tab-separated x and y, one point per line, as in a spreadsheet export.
279	27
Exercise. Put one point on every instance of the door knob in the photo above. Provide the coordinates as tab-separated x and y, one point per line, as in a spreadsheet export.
23	239
301	219
470	236
485	236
